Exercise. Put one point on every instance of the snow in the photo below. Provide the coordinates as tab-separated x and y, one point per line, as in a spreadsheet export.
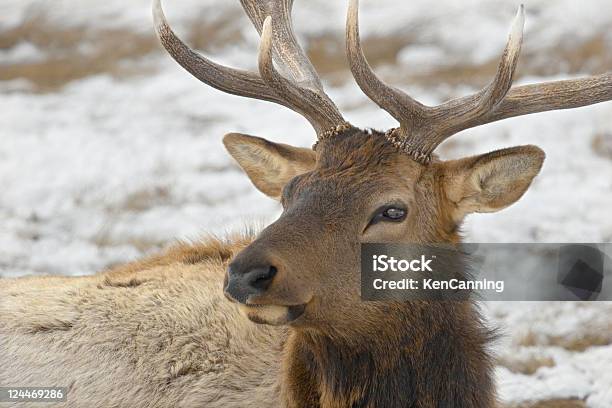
23	52
554	330
107	168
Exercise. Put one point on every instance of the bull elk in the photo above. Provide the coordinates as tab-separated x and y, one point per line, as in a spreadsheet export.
178	329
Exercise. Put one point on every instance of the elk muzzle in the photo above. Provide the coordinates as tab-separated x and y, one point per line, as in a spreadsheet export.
261	280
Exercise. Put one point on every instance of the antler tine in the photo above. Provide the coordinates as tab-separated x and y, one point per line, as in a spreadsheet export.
455	115
299	88
462	113
294	62
315	106
497	101
401	106
296	78
230	80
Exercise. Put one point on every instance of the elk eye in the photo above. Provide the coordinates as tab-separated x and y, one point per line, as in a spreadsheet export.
388	214
394	213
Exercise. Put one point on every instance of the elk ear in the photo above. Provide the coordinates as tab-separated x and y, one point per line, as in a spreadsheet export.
269	165
491	181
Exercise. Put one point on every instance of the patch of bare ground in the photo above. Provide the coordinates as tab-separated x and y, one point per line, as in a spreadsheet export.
577	343
528	365
135	202
71	53
552	403
204	33
327	53
105	239
145	199
602	144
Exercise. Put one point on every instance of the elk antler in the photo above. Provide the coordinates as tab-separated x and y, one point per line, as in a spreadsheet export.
295	85
423	128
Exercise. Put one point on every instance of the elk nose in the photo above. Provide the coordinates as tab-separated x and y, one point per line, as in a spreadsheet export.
259	278
243	282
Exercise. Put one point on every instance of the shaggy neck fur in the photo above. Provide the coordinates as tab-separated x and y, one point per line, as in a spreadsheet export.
433	356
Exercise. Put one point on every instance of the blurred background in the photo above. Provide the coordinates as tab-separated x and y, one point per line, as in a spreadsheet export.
109	150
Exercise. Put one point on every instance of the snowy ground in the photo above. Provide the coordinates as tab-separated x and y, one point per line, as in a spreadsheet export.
109	150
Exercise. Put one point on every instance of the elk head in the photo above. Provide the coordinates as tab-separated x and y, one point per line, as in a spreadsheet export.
359	185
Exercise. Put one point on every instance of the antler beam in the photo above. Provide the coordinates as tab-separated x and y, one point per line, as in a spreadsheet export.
295	85
546	96
400	105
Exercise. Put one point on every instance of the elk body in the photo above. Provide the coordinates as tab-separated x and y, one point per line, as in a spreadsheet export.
276	319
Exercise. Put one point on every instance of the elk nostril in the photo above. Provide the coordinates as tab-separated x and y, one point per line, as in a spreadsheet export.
261	278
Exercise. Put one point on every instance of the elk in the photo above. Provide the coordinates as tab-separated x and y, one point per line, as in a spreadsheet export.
276	319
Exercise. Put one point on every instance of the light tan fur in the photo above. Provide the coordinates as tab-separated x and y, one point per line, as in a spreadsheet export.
154	333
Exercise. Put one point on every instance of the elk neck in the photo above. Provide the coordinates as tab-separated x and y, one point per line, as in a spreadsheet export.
423	354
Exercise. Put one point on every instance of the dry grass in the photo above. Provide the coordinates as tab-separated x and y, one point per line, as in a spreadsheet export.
327	53
145	199
105	239
73	53
553	403
65	59
108	50
206	34
527	366
593	55
602	145
577	343
583	342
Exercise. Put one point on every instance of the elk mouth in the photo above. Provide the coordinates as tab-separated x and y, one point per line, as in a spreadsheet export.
275	315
